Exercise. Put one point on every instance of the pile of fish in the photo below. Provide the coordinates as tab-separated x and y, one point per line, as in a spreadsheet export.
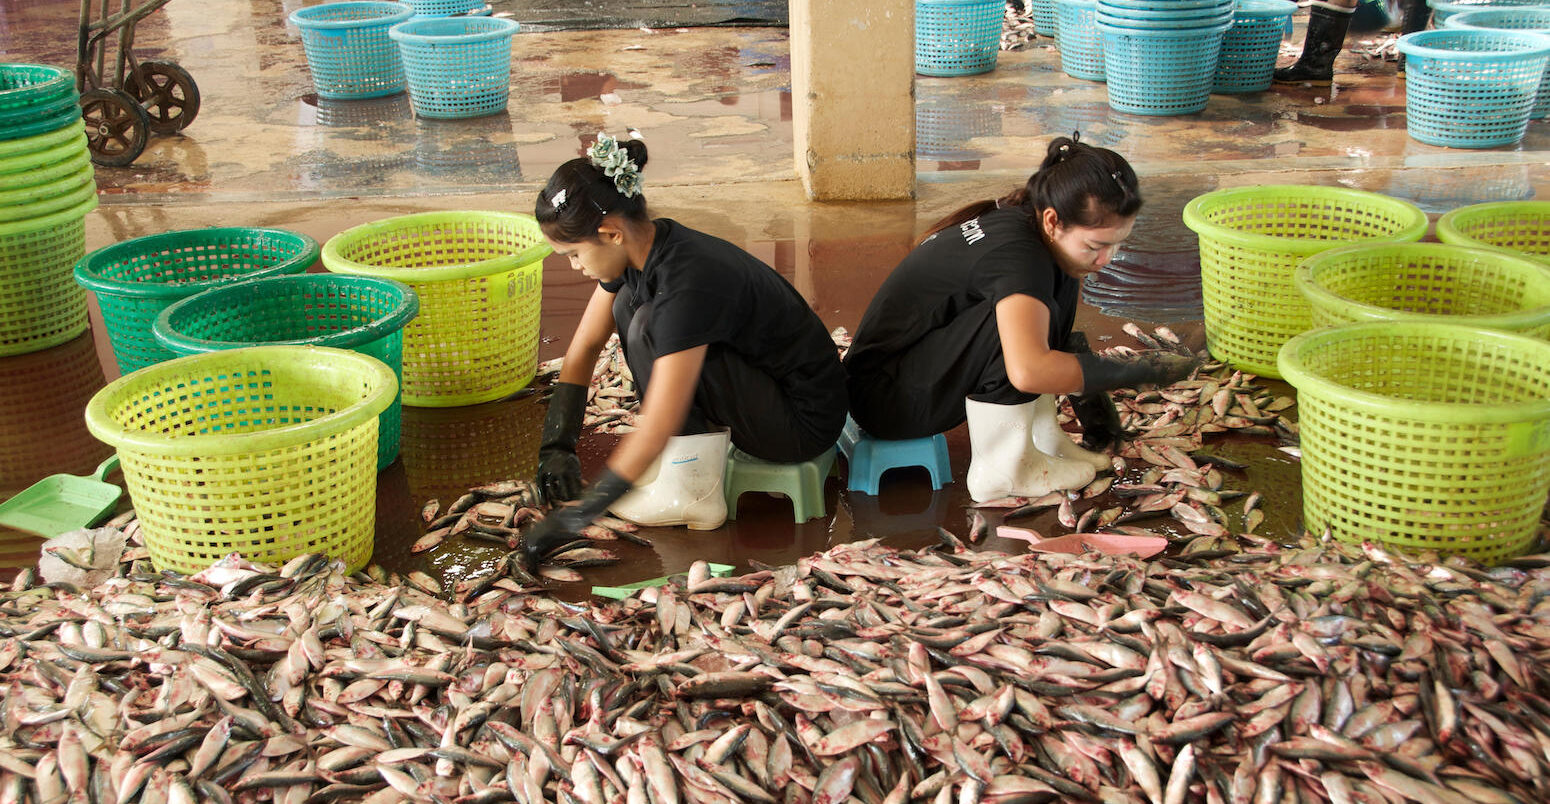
1315	672
1017	27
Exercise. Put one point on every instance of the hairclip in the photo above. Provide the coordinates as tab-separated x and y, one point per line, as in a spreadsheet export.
1115	175
616	164
557	200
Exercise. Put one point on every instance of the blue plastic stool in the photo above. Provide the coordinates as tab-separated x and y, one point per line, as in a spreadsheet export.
801	482
870	457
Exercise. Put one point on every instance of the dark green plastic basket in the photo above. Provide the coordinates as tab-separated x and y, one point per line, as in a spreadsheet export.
361	313
136	279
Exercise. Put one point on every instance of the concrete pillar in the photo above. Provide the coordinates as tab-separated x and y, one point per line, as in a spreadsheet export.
853	98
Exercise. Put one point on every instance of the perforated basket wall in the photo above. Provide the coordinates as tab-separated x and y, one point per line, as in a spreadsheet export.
1471	88
39	305
1521	226
456	66
444	8
1535	19
1423	436
479	276
1161	71
1251	241
136	279
957	37
1077	38
348	49
361	313
1443	10
268	451
1427	282
1045	21
1251	45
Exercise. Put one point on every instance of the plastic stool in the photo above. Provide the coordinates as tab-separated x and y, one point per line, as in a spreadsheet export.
801	482
870	457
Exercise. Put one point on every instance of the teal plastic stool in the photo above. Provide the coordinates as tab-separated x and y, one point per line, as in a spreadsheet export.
801	482
870	457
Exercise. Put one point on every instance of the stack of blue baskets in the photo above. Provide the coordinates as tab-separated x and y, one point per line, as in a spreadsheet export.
1250	47
1077	38
1472	88
1159	56
1536	20
348	49
957	37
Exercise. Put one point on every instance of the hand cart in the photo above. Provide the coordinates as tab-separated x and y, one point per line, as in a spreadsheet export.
125	101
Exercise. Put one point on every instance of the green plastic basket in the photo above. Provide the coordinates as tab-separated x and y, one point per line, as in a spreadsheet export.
268	451
1423	436
1427	282
479	276
22	146
136	279
1520	226
39	305
360	313
26	86
62	193
1251	241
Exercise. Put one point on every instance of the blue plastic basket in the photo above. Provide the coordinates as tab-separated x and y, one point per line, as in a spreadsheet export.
1471	88
445	8
1160	72
957	37
348	50
1442	10
457	66
1076	36
1046	20
1536	20
1250	47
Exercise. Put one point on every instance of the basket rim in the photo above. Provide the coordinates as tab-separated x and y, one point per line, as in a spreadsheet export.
1264	8
1415	44
49	221
1448	224
31	160
1453	6
1197	222
1161	32
404	32
301	17
313	360
335	263
86	272
1295	371
181	343
1462	18
38	142
45	88
1314	292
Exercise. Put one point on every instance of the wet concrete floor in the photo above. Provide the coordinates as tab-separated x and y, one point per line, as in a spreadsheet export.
715	106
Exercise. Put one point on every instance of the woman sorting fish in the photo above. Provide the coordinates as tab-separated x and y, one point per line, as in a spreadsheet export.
976	323
722	348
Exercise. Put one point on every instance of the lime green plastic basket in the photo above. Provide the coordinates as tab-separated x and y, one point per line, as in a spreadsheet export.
479	276
1427	282
267	451
1251	241
1521	226
360	313
1423	436
39	305
136	279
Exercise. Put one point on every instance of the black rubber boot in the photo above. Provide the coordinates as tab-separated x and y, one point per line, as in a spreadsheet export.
1417	14
1324	40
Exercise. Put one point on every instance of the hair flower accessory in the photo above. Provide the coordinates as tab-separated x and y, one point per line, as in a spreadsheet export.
616	164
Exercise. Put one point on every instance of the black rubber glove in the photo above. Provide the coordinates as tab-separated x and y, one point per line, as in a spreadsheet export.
563	525
1095	411
559	470
1152	366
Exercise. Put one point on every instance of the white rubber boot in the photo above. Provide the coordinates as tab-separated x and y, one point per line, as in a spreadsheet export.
683	486
1004	462
1051	438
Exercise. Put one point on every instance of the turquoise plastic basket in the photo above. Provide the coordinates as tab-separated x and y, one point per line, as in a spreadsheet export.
1250	47
1078	40
445	8
1471	88
1160	72
957	37
136	279
456	66
1046	21
348	49
1443	10
361	313
1534	19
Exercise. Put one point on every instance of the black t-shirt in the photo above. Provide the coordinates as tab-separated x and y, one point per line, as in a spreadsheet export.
984	259
705	291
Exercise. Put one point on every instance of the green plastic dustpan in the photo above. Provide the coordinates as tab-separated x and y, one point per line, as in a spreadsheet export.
622	592
62	503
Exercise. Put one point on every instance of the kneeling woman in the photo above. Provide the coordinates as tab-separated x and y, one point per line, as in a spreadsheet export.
971	325
723	349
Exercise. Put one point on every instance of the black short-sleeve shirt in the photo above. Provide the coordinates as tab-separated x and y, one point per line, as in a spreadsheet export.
987	258
705	291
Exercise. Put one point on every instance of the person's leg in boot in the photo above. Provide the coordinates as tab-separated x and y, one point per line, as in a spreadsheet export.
1417	14
1051	438
1328	21
1004	459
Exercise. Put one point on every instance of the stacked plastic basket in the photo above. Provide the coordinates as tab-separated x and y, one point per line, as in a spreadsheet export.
1472	88
1160	56
47	186
1533	19
1250	47
1077	38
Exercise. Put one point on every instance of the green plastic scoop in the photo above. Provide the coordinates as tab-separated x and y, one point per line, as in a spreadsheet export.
61	503
622	592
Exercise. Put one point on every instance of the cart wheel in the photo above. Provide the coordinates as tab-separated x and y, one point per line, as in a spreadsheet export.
117	126
167	92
